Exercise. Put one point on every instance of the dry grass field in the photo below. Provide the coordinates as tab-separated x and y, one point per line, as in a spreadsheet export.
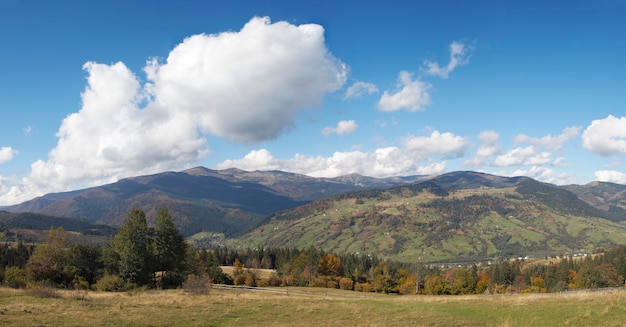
261	273
307	307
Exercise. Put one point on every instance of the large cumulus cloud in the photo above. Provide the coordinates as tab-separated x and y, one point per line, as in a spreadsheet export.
245	86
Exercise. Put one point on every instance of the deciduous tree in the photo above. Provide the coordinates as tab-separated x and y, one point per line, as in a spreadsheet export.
50	262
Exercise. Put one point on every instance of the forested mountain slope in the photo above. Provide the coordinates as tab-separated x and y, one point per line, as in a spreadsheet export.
227	201
464	216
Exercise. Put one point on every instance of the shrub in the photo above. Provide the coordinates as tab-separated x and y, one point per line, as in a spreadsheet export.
362	287
250	280
42	290
407	288
345	283
319	281
240	280
110	283
274	280
80	283
15	277
197	284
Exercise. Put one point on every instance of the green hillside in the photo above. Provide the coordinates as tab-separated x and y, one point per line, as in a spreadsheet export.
445	220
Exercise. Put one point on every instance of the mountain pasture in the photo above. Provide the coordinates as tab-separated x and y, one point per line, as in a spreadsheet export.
427	223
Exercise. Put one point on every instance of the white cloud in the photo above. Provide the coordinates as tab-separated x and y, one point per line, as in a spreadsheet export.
419	156
412	96
559	162
111	138
445	144
245	86
543	174
549	141
4	184
606	136
7	153
459	55
487	150
343	127
359	89
610	176
27	130
382	162
248	86
522	156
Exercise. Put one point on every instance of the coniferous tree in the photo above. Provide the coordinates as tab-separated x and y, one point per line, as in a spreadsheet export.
133	245
170	251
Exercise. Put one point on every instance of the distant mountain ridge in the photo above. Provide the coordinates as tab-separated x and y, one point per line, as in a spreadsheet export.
227	201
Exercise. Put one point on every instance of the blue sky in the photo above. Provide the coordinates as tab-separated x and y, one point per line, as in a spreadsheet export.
91	92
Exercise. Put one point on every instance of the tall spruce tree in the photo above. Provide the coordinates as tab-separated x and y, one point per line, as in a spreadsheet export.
134	247
170	251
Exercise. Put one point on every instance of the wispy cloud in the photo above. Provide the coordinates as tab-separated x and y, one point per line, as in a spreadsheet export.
359	89
412	94
459	55
344	127
550	142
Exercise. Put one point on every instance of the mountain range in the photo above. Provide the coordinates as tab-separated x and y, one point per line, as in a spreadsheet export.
461	215
229	201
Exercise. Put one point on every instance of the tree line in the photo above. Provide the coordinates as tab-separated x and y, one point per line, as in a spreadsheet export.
159	257
138	256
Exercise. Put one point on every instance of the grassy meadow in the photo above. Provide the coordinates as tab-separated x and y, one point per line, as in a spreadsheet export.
306	307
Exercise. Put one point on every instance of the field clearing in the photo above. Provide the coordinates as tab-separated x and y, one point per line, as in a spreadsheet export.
261	273
308	307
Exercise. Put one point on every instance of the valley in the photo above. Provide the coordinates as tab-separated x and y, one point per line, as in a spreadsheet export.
460	217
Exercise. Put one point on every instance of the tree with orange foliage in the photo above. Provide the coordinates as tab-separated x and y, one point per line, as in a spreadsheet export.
483	283
408	285
330	265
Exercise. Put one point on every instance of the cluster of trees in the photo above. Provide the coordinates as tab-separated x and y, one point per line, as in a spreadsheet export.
517	276
366	273
138	256
159	257
314	267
